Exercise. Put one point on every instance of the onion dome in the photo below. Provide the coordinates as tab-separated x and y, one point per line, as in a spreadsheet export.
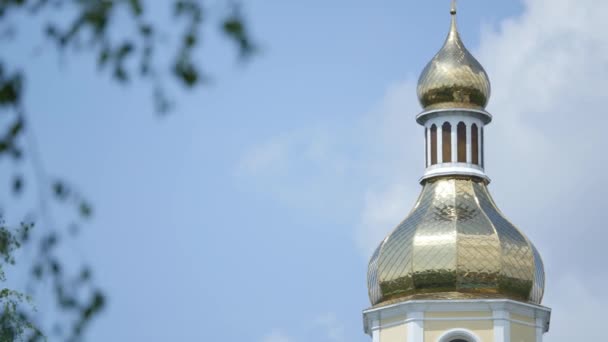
455	244
453	78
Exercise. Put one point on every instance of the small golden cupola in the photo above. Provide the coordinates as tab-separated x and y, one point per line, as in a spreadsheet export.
453	78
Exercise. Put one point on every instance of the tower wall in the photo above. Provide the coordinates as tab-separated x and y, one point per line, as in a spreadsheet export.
447	320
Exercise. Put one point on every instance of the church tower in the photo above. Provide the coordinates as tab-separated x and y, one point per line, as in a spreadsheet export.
455	269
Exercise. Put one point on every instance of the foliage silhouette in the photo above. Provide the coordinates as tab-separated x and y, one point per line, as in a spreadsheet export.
129	57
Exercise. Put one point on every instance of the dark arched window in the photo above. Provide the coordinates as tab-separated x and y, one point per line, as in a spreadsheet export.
475	144
447	142
462	142
433	144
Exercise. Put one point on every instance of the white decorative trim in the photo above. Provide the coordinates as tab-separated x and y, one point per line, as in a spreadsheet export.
376	335
428	115
459	333
454	169
394	311
376	330
502	326
415	326
539	329
448	319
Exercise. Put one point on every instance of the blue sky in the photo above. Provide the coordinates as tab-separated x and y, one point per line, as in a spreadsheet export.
249	213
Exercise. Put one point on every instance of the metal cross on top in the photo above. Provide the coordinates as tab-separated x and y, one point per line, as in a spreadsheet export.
453	9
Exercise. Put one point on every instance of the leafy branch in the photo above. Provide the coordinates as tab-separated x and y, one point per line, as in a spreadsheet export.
128	56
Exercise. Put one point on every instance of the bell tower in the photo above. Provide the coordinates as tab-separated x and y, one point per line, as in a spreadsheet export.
455	269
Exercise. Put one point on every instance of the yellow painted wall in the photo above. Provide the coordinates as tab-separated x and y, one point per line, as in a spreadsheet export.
434	329
523	318
458	314
394	334
393	320
522	333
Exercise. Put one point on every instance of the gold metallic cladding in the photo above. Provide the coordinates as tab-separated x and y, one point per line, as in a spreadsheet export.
517	254
455	243
372	276
538	288
453	78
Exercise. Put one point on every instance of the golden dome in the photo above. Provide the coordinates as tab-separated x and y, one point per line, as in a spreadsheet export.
455	244
453	78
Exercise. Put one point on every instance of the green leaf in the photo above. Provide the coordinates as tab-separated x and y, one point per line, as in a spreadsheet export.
16	128
136	7
85	274
55	267
124	50
85	209
120	74
190	40
17	184
146	30
51	31
186	72
60	190
103	57
10	90
37	271
233	26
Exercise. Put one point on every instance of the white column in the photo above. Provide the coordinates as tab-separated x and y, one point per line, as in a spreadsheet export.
479	149
439	144
454	142
415	326
482	142
428	146
376	335
502	326
469	131
375	331
540	324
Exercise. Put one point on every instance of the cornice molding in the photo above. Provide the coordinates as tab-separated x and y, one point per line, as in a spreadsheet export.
373	317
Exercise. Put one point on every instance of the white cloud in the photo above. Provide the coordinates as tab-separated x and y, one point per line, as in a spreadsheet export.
325	327
327	166
333	328
549	69
578	314
382	209
296	167
265	157
276	336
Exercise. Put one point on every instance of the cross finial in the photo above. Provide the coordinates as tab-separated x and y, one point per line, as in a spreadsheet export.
453	9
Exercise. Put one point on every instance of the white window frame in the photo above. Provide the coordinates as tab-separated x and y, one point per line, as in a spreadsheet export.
462	334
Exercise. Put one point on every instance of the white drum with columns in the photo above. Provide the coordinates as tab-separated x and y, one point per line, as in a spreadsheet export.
462	152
